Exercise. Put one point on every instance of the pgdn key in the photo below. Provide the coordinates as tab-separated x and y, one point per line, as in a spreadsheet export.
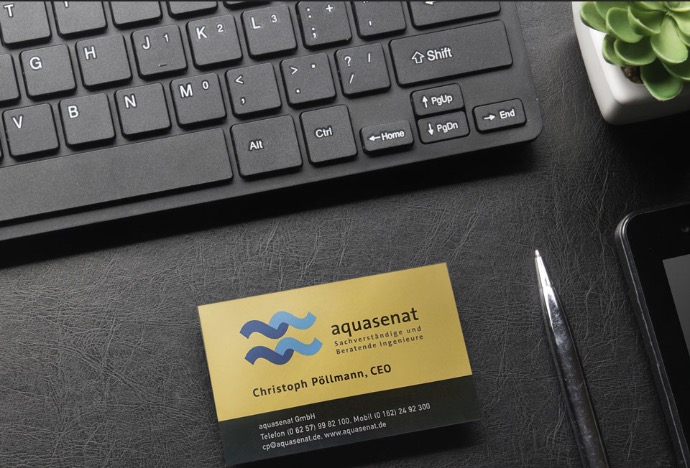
386	137
443	127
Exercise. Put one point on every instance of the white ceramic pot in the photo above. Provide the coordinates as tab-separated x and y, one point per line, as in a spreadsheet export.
620	100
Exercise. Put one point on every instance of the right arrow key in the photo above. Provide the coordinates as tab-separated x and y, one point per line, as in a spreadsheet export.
500	115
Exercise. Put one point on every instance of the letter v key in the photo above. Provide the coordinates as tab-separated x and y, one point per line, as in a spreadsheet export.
18	123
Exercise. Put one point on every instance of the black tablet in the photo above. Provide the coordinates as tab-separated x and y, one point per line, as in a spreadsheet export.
655	250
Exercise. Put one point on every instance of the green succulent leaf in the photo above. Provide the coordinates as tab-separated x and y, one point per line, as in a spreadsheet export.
644	22
637	54
660	83
680	70
678	6
685	38
667	43
608	50
604	7
649	6
618	25
591	17
682	21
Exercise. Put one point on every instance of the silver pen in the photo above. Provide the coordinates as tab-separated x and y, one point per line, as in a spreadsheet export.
570	375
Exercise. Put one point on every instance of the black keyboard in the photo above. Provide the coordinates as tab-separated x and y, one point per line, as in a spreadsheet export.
113	110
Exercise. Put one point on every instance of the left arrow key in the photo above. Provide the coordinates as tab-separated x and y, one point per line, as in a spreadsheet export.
386	137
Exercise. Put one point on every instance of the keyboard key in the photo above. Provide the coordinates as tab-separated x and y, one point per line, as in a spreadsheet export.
378	18
437	100
328	133
443	127
128	14
48	71
266	146
324	23
142	110
8	82
452	52
269	31
432	13
363	70
105	175
103	61
30	132
198	100
23	23
87	120
214	41
79	18
308	79
242	3
159	51
186	9
253	90
500	115
387	137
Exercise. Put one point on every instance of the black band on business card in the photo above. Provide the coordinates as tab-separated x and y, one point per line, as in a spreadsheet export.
348	420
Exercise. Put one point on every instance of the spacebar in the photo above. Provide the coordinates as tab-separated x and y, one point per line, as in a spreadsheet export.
113	174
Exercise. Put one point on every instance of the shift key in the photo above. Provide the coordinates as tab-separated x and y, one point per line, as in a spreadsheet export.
452	52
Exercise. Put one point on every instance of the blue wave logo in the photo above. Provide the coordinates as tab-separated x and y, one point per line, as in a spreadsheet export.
276	328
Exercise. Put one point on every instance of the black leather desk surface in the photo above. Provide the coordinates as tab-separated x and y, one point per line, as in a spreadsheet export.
101	358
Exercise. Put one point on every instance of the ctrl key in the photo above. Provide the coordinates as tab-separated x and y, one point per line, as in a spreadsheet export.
387	137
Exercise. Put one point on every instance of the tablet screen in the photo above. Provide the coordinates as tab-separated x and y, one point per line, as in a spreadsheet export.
678	273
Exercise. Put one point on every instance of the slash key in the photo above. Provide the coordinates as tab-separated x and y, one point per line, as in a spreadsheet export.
386	137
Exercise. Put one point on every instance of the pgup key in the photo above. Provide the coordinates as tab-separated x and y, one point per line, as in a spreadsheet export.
437	100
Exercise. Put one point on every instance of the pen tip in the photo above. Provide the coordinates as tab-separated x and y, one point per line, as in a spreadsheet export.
536	253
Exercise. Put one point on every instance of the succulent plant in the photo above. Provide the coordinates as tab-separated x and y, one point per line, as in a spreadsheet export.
653	36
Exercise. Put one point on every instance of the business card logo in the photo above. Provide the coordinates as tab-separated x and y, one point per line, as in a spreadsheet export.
276	328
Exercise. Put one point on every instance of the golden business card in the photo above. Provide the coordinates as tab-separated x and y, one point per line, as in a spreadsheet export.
337	363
